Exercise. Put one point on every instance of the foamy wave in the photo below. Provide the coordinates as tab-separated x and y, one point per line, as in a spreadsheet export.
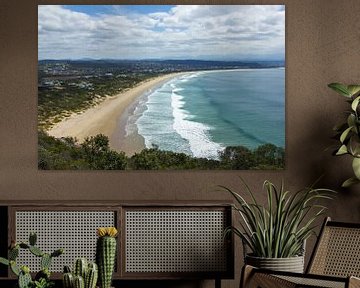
194	132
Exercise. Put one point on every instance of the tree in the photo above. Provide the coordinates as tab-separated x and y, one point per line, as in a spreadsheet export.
237	158
99	156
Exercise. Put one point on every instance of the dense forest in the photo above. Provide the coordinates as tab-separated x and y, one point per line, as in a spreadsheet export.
95	154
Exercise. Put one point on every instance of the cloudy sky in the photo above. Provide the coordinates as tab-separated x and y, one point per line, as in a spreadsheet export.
224	32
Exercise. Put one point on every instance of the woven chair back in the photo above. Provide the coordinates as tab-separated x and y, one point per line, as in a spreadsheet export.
337	252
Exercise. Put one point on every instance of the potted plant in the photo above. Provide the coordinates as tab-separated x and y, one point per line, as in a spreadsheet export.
276	233
42	278
348	132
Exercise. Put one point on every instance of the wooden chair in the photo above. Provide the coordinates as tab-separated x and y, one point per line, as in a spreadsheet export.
334	263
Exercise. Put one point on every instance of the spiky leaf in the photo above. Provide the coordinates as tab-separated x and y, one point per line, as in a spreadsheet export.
340	88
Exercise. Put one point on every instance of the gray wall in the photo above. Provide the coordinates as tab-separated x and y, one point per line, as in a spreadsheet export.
322	46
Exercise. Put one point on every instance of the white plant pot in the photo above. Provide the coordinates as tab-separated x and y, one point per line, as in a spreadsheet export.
291	264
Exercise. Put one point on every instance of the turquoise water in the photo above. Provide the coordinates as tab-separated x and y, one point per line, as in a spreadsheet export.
201	113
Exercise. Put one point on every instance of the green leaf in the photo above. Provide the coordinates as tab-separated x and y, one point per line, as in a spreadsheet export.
349	182
345	134
4	261
351	120
353	89
355	103
342	150
356	167
340	88
14	268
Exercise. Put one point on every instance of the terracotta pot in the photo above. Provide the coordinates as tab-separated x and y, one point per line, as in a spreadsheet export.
291	264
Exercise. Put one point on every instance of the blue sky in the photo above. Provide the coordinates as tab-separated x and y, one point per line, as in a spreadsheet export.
217	32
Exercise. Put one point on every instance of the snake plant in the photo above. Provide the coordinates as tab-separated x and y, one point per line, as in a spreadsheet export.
279	228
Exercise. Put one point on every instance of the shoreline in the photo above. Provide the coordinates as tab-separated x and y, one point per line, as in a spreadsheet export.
109	117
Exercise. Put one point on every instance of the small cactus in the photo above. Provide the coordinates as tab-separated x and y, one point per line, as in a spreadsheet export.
90	272
106	254
79	282
68	280
80	267
24	280
91	276
23	273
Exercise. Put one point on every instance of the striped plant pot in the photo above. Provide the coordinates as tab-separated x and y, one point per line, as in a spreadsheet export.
291	264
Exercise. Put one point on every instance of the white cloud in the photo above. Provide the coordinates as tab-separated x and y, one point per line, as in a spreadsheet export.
186	31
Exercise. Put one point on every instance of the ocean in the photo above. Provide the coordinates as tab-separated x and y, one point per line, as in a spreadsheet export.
201	113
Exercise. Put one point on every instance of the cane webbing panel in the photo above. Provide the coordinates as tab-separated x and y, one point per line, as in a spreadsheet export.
338	252
313	282
74	231
175	241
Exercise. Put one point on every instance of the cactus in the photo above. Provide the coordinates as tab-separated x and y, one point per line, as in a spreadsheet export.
80	267
24	278
14	268
87	272
68	280
32	239
79	282
105	255
13	253
36	251
91	276
45	261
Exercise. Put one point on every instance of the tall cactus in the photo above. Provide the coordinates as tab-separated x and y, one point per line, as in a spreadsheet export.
106	254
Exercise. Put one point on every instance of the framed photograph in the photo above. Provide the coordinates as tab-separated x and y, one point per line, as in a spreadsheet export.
161	87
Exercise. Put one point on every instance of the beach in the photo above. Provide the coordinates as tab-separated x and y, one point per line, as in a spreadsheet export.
109	118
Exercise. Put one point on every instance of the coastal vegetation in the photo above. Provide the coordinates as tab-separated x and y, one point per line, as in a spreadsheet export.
66	87
95	154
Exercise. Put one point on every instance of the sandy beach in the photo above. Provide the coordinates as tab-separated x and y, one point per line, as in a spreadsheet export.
109	118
